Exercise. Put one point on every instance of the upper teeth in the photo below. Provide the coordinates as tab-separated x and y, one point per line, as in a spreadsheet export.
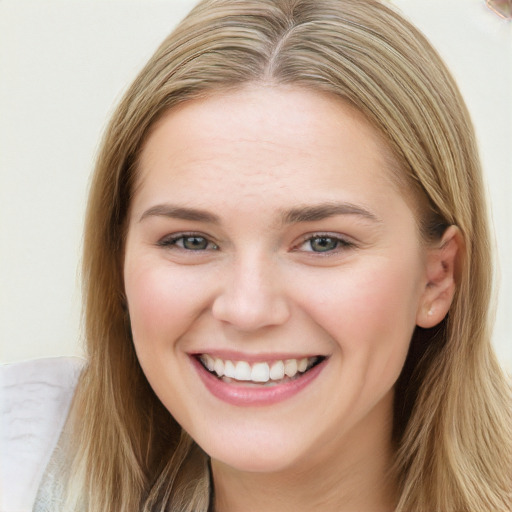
257	372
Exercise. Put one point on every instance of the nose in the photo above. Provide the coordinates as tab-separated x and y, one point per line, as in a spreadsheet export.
252	296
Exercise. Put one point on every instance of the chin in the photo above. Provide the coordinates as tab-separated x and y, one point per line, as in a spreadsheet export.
271	457
255	464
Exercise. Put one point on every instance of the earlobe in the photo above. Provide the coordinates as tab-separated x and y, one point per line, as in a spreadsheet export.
441	271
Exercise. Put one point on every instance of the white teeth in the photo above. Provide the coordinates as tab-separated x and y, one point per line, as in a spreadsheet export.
260	372
218	367
290	367
208	361
302	365
243	371
229	370
277	370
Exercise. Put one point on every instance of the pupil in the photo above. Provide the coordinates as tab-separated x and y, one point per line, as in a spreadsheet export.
323	244
195	243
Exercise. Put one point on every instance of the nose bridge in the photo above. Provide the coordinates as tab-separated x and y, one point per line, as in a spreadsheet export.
252	295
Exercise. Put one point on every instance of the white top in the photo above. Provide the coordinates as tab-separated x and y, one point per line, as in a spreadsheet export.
34	403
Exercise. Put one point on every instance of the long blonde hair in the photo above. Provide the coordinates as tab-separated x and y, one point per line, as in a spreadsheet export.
452	418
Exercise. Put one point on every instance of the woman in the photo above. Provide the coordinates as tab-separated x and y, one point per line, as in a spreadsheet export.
287	278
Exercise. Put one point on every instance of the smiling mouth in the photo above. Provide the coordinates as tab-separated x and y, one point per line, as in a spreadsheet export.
260	373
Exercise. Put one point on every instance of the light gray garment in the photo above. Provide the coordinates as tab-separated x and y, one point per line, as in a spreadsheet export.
34	403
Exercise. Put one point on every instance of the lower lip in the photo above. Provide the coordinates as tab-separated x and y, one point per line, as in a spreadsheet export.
241	395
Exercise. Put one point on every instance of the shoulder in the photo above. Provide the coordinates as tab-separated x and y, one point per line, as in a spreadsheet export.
35	397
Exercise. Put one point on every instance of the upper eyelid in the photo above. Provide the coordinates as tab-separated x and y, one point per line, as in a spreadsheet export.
337	236
183	234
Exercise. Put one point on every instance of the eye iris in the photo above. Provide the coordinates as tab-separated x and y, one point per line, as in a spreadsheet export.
195	243
323	244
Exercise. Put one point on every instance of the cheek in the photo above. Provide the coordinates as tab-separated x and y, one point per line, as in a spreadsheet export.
368	311
161	304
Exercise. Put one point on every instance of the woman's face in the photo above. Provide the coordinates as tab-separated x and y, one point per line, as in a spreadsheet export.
267	241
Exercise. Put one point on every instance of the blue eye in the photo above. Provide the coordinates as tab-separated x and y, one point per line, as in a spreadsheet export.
193	243
324	244
188	242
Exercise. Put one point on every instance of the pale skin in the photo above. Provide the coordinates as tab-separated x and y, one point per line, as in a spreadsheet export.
265	224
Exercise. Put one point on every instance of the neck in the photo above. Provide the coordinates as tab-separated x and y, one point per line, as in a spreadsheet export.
353	478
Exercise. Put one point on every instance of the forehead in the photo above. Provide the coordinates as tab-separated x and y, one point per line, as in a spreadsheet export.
260	138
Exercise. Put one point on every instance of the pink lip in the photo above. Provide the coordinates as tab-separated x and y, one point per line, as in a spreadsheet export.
241	395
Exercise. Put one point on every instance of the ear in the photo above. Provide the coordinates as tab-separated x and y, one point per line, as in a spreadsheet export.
441	271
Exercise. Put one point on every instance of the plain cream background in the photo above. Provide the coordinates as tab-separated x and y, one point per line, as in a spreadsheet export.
63	66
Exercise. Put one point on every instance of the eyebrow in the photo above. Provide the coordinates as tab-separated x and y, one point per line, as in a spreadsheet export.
180	212
322	211
306	213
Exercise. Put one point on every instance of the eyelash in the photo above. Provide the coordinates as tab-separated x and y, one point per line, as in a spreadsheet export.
174	241
340	243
